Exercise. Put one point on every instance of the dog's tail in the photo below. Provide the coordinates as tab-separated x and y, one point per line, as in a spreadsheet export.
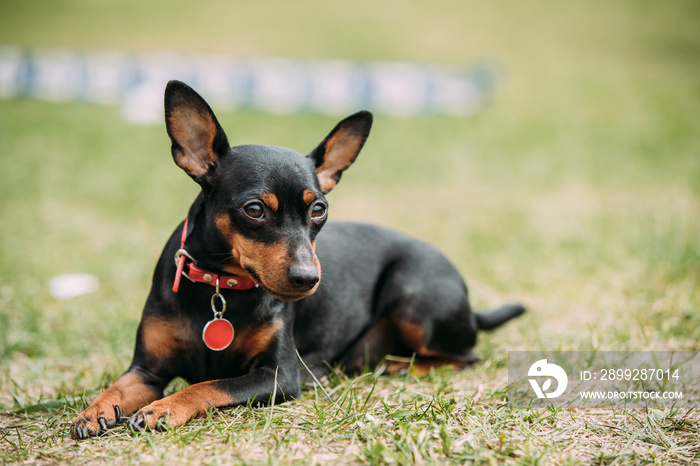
497	317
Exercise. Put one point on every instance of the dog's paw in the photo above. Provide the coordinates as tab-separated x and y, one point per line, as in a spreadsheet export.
95	420
161	415
147	420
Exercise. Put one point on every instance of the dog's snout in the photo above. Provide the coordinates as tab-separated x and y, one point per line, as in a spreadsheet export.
303	278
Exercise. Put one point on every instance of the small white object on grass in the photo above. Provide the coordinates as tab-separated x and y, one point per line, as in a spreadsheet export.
72	284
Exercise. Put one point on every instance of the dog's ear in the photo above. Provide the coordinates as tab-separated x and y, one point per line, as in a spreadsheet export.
197	138
340	148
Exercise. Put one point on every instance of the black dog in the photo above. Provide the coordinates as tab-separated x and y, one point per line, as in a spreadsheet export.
252	251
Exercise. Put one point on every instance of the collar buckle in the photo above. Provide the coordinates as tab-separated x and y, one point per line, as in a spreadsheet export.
182	255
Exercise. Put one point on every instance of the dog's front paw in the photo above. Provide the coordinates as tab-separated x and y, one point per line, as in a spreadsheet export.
95	420
146	419
160	415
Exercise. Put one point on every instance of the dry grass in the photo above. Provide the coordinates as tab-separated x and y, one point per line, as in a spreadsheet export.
443	417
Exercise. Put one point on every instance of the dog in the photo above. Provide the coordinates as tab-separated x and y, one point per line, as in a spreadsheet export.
252	281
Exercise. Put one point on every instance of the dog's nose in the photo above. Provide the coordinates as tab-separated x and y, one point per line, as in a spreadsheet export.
303	277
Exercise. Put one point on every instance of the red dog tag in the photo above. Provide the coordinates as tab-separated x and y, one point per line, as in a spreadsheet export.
217	334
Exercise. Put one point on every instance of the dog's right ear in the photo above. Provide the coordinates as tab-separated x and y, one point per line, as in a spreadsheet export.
197	138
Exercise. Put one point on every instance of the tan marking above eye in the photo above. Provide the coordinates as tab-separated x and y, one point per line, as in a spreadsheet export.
309	196
270	200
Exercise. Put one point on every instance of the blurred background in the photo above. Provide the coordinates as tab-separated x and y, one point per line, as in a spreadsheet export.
567	178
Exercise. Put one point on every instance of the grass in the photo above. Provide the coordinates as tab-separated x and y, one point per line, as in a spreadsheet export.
575	191
380	420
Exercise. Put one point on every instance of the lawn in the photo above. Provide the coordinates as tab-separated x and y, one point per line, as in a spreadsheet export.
575	190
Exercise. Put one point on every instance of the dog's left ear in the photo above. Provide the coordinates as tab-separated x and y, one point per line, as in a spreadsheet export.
198	141
340	148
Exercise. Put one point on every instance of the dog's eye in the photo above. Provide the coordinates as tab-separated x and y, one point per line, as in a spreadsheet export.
254	210
318	211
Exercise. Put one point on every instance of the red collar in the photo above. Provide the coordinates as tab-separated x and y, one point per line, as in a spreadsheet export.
198	275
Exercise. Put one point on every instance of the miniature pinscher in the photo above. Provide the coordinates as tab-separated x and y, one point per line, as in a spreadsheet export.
264	285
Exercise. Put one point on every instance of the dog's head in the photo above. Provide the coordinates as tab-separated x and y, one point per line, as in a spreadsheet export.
265	204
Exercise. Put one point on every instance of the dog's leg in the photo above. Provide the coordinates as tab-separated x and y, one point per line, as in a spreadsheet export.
130	392
433	324
261	386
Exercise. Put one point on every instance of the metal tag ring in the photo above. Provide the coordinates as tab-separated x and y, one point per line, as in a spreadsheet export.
218	314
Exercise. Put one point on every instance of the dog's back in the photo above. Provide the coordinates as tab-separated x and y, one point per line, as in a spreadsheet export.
381	293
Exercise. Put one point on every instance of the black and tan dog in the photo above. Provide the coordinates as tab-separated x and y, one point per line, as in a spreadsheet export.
253	252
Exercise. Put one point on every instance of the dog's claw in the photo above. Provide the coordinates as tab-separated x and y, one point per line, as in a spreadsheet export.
139	421
136	422
106	424
162	424
95	421
80	430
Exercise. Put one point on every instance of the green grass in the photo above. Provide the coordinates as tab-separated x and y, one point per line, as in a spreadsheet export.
575	191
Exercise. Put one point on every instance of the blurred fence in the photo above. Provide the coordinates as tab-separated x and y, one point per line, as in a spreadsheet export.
136	82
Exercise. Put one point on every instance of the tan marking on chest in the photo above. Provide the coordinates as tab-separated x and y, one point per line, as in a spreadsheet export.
163	337
256	340
271	201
